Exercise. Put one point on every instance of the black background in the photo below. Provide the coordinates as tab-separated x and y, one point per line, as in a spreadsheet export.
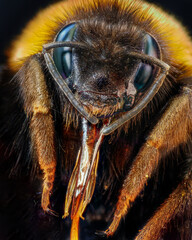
15	13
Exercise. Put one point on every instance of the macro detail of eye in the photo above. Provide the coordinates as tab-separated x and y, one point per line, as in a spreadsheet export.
62	56
146	73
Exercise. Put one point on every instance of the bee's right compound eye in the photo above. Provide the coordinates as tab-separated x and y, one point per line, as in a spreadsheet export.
62	56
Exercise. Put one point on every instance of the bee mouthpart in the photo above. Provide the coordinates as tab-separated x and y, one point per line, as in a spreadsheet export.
82	182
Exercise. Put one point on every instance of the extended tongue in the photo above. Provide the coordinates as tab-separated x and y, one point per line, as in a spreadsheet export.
82	182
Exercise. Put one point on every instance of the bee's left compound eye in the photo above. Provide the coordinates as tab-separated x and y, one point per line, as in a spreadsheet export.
62	56
146	73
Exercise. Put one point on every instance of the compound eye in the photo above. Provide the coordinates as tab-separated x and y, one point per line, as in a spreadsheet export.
145	72
62	56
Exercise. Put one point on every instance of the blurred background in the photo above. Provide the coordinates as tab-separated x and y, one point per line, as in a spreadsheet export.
15	13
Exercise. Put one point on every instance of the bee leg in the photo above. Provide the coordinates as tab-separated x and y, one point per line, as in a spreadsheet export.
172	129
42	136
37	105
179	201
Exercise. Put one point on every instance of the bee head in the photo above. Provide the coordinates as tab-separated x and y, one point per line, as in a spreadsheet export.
100	72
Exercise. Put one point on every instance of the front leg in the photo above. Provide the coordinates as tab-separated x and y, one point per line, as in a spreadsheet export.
179	201
37	106
41	127
172	130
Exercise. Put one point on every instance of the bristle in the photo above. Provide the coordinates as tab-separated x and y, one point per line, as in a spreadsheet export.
70	117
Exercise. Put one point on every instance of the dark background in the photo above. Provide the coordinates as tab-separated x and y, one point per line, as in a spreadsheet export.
15	13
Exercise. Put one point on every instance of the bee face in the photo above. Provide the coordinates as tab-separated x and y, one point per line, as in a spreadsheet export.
100	71
102	75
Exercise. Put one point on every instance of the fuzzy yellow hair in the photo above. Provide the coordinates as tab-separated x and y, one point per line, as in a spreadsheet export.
48	22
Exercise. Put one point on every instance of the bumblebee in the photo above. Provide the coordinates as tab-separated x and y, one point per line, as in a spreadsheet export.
96	124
